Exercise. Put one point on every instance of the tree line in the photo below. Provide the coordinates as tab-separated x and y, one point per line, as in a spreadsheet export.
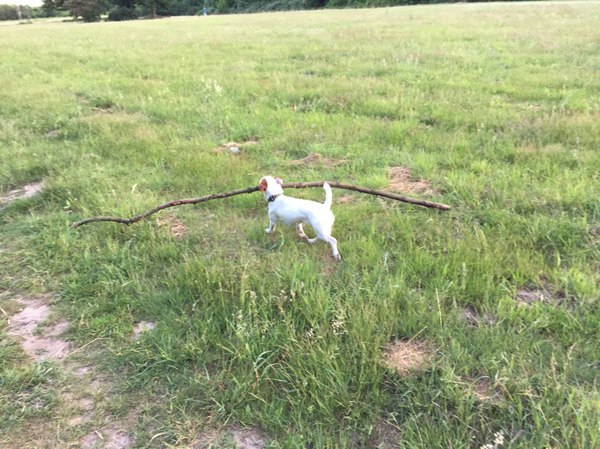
95	10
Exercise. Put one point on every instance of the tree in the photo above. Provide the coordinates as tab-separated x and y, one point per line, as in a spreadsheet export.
88	10
158	7
8	12
51	6
130	4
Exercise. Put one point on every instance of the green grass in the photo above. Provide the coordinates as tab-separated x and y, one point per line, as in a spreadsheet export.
496	105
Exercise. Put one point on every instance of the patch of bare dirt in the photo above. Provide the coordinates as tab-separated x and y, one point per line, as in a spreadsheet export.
528	296
141	327
385	436
247	438
484	390
173	224
81	371
402	181
345	199
78	407
39	342
85	394
206	439
315	159
234	147
407	357
84	410
25	192
89	396
474	319
108	438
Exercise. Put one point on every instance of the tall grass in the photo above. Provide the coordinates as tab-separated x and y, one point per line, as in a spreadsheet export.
496	106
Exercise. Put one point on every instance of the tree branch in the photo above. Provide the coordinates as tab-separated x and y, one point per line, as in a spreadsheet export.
291	185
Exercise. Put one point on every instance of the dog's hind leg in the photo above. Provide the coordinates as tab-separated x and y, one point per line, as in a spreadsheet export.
301	232
333	243
303	235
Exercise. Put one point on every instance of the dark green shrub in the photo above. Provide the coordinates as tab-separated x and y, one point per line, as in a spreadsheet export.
119	13
88	10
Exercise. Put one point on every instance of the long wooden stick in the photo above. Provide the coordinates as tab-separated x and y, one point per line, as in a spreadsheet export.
291	185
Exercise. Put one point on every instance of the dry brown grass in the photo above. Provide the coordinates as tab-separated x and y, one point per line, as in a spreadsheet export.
402	181
173	225
408	357
534	149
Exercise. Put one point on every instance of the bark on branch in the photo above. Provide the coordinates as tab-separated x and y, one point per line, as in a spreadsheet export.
290	185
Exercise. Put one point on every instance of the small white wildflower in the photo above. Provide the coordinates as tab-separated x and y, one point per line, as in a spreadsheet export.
339	322
337	327
309	334
498	439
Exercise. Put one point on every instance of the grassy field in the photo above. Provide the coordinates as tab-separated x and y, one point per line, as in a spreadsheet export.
438	329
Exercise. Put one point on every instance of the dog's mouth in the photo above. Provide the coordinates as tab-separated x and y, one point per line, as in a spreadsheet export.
263	185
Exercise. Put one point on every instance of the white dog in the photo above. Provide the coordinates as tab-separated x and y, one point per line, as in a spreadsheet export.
295	211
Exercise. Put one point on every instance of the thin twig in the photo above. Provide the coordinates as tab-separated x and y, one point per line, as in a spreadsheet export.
292	185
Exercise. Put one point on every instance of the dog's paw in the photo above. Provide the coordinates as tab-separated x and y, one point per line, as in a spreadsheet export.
268	230
337	257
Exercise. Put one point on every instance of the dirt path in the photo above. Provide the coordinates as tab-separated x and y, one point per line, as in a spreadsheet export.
83	415
81	419
25	192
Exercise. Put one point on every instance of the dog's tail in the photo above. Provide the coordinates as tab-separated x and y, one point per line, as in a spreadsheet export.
328	195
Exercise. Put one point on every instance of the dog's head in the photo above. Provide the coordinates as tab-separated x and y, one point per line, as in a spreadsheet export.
270	186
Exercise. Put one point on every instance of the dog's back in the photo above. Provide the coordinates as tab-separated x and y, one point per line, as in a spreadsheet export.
292	210
295	211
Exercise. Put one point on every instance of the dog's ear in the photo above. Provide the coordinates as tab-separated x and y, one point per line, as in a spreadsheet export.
262	185
279	181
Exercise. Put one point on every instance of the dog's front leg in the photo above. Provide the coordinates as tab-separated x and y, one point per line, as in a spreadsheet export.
272	223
